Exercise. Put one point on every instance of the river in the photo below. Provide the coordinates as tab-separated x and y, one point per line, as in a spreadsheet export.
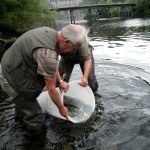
121	120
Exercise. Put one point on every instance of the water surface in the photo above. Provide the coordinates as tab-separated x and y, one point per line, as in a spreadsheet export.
122	116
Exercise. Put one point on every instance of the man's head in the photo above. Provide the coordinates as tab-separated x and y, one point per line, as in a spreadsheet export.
71	38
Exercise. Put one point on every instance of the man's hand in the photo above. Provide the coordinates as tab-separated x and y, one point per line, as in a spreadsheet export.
45	89
64	86
64	112
83	82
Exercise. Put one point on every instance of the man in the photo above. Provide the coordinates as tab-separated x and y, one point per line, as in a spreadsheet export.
30	64
81	57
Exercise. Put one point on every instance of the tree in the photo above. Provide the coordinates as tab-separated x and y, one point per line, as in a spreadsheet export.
22	15
142	6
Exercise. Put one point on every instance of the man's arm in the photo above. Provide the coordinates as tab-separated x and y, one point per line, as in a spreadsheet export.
51	88
87	69
64	86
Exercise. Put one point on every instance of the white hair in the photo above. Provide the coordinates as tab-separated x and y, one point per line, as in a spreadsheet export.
76	34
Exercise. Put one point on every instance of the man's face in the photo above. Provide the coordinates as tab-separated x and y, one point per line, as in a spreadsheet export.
67	48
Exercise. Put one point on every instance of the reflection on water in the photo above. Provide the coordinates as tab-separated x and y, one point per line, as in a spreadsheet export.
122	117
78	110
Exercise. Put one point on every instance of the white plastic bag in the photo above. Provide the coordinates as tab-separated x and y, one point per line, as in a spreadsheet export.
79	100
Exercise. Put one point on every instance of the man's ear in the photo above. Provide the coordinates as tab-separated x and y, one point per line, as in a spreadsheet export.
67	41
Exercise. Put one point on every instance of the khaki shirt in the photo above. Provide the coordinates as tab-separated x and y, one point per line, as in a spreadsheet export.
47	61
83	54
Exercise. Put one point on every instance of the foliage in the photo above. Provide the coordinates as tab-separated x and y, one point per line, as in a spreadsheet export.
22	15
109	1
142	6
144	3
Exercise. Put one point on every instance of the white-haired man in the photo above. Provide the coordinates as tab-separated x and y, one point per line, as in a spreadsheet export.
82	56
30	66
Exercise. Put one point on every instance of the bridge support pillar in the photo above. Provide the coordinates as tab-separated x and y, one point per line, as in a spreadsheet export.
72	17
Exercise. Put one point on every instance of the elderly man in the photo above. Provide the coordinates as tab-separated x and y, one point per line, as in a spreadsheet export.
83	57
30	64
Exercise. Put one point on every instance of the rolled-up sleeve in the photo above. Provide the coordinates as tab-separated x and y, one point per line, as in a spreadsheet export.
47	61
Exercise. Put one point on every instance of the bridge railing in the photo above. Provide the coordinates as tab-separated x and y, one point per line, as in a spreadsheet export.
68	4
94	6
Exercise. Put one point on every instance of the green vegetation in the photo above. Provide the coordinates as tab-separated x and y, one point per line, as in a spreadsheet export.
142	6
19	16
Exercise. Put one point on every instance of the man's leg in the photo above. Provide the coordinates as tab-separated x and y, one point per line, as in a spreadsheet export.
31	113
18	114
65	67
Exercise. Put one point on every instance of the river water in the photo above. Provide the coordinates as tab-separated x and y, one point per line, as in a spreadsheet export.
121	120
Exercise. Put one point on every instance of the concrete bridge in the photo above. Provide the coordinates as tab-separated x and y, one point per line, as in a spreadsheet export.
71	9
94	6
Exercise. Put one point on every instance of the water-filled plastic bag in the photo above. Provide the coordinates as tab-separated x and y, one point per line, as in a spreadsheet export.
79	100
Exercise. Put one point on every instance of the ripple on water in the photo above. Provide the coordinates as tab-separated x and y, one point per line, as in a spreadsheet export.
122	116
